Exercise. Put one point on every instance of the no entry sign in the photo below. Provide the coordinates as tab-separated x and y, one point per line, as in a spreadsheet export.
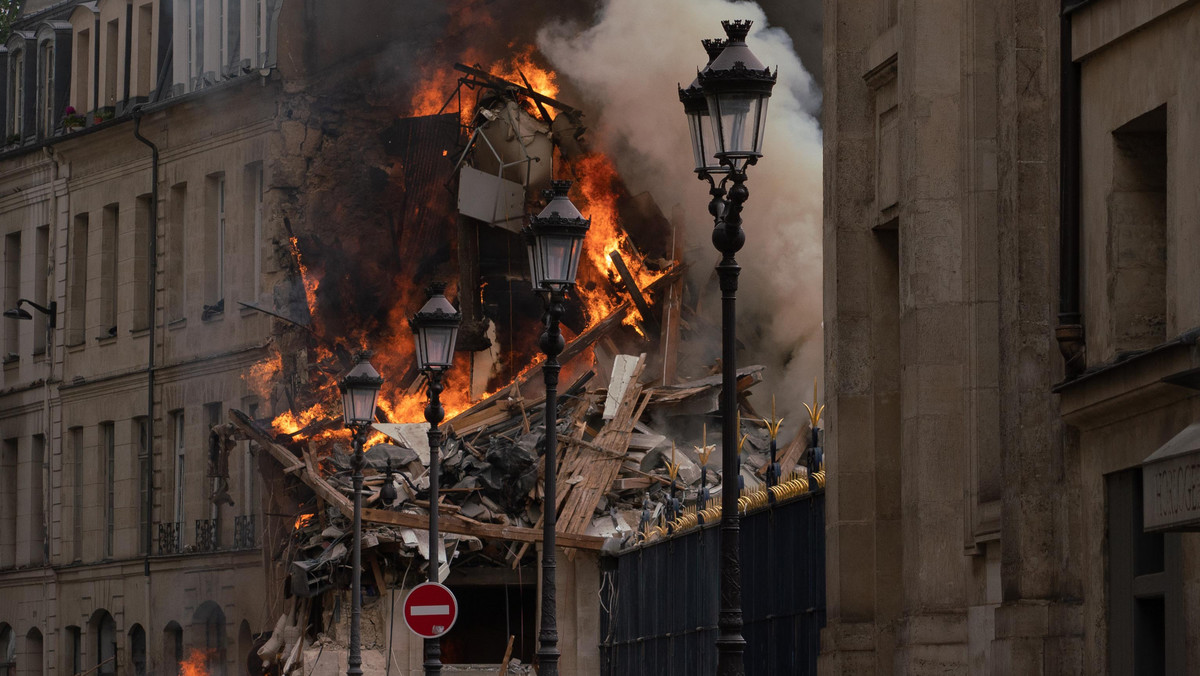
430	610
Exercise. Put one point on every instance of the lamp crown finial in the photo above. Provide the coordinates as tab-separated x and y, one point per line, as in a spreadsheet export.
557	189
737	30
714	46
435	289
364	354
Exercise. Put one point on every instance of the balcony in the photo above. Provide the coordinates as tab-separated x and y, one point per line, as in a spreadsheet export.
208	535
244	532
170	537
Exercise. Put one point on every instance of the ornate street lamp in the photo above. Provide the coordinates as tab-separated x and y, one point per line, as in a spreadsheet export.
435	328
555	240
360	390
735	87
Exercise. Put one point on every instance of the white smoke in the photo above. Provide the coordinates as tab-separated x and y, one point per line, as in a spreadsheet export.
627	63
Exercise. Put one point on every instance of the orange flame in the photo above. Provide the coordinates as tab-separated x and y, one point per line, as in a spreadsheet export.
196	663
302	521
438	84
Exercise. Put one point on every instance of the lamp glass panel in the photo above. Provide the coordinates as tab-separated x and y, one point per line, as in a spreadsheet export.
358	404
557	252
439	346
535	271
760	122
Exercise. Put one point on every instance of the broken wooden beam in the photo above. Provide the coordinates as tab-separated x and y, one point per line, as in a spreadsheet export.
649	323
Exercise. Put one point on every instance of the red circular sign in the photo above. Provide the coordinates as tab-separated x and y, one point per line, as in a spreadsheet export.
430	610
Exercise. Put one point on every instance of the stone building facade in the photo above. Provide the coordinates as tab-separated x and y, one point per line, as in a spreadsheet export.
158	157
99	567
1010	334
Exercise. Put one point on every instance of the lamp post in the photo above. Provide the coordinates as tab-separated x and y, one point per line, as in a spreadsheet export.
726	108
435	329
360	390
554	239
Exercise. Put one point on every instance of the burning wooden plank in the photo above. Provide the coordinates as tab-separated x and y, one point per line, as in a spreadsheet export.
648	320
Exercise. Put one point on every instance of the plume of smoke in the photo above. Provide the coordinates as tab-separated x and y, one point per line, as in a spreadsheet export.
626	65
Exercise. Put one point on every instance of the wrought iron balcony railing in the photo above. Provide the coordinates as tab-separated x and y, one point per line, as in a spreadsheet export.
244	533
170	537
208	533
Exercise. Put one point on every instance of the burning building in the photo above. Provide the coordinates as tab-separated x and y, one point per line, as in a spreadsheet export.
217	204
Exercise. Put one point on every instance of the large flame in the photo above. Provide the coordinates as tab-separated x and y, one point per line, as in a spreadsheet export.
596	193
196	663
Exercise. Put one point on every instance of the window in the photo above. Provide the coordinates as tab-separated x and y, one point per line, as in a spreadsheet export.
41	279
232	35
137	649
108	469
16	95
212	418
76	495
140	430
180	469
8	651
140	266
249	460
77	258
73	651
254	207
145	49
8	503
108	271
176	263
1137	215
111	61
1145	590
104	631
37	540
214	268
12	292
83	72
222	33
197	42
172	648
260	32
47	115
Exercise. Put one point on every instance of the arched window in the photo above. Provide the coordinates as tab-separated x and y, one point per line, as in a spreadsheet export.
72	651
137	649
103	630
8	651
31	658
208	631
246	649
172	648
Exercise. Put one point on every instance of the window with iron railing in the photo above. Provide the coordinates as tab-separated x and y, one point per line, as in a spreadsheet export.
244	533
170	537
208	534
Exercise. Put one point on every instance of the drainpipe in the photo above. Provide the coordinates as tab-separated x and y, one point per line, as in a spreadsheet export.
1069	331
150	310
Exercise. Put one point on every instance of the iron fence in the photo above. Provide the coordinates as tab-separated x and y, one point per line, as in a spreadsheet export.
659	602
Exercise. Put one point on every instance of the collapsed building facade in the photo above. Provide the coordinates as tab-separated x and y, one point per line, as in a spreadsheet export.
218	205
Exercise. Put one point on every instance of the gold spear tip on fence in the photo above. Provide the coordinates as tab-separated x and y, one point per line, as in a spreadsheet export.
774	423
814	413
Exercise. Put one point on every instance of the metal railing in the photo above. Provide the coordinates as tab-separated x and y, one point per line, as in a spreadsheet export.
170	537
659	601
244	533
208	535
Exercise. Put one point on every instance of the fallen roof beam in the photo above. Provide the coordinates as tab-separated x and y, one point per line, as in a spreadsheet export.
649	323
448	523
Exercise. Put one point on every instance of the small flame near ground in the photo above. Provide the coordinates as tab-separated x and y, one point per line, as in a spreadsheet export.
196	663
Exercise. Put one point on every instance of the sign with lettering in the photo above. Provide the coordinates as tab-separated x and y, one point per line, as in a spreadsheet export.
1171	484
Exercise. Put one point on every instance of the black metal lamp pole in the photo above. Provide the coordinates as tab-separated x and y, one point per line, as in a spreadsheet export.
354	662
435	331
555	241
726	109
434	413
552	345
360	390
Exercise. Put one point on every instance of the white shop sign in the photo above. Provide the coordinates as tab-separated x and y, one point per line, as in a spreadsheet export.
1171	484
